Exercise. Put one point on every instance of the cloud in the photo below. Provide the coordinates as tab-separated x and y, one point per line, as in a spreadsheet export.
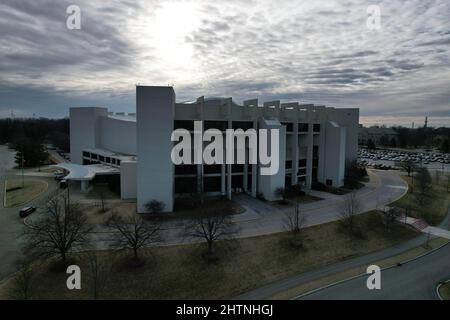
318	52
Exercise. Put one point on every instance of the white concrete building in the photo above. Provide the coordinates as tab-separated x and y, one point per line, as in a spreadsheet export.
315	143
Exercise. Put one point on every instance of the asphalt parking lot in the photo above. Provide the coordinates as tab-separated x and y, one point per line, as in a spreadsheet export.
389	158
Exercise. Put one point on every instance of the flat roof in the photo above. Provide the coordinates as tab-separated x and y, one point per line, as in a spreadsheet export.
86	172
108	153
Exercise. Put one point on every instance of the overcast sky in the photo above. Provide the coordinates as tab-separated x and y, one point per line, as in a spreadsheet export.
309	51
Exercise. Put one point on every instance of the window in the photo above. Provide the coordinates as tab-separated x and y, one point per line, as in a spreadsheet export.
185	185
212	184
316	127
288	164
186	169
94	156
212	168
244	125
184	124
302	163
237	168
101	158
315	162
315	152
289	126
303	127
108	160
86	154
220	125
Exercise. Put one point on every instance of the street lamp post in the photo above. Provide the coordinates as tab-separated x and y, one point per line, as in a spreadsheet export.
22	161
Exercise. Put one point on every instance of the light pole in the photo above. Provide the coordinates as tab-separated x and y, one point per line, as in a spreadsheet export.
22	161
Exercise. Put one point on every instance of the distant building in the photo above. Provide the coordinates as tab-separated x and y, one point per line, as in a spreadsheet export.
379	135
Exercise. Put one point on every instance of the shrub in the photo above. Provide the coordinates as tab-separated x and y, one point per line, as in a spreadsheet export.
319	186
154	206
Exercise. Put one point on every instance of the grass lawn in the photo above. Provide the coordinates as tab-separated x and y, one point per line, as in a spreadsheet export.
17	195
444	291
96	215
436	206
179	272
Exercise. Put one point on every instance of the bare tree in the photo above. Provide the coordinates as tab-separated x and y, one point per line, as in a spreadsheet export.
102	202
211	225
424	184
409	166
61	229
349	209
295	220
388	217
98	273
133	232
22	286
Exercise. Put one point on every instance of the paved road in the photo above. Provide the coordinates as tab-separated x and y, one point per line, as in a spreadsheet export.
414	280
439	268
11	226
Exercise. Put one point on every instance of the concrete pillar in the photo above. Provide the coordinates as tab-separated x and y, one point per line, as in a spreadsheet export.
245	176
84	185
309	155
222	179
229	177
200	102
295	151
155	108
255	168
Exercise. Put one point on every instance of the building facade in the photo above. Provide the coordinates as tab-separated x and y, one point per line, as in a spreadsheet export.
378	135
315	142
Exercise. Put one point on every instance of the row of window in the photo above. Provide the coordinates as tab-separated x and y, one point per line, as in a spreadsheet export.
210	168
302	127
244	125
101	159
210	184
213	124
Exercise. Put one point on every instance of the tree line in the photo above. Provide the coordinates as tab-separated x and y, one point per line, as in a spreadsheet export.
28	136
418	137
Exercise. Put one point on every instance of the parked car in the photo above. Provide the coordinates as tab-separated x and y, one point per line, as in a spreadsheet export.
25	212
59	176
63	184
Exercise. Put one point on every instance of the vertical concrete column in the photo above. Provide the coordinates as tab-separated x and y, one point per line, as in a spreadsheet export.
295	152
84	185
309	153
229	169
245	176
255	166
230	126
200	103
155	110
222	179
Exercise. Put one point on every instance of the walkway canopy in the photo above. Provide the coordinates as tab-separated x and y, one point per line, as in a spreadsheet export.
86	173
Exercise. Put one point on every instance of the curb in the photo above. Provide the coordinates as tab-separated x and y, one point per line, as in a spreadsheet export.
28	201
438	287
364	274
